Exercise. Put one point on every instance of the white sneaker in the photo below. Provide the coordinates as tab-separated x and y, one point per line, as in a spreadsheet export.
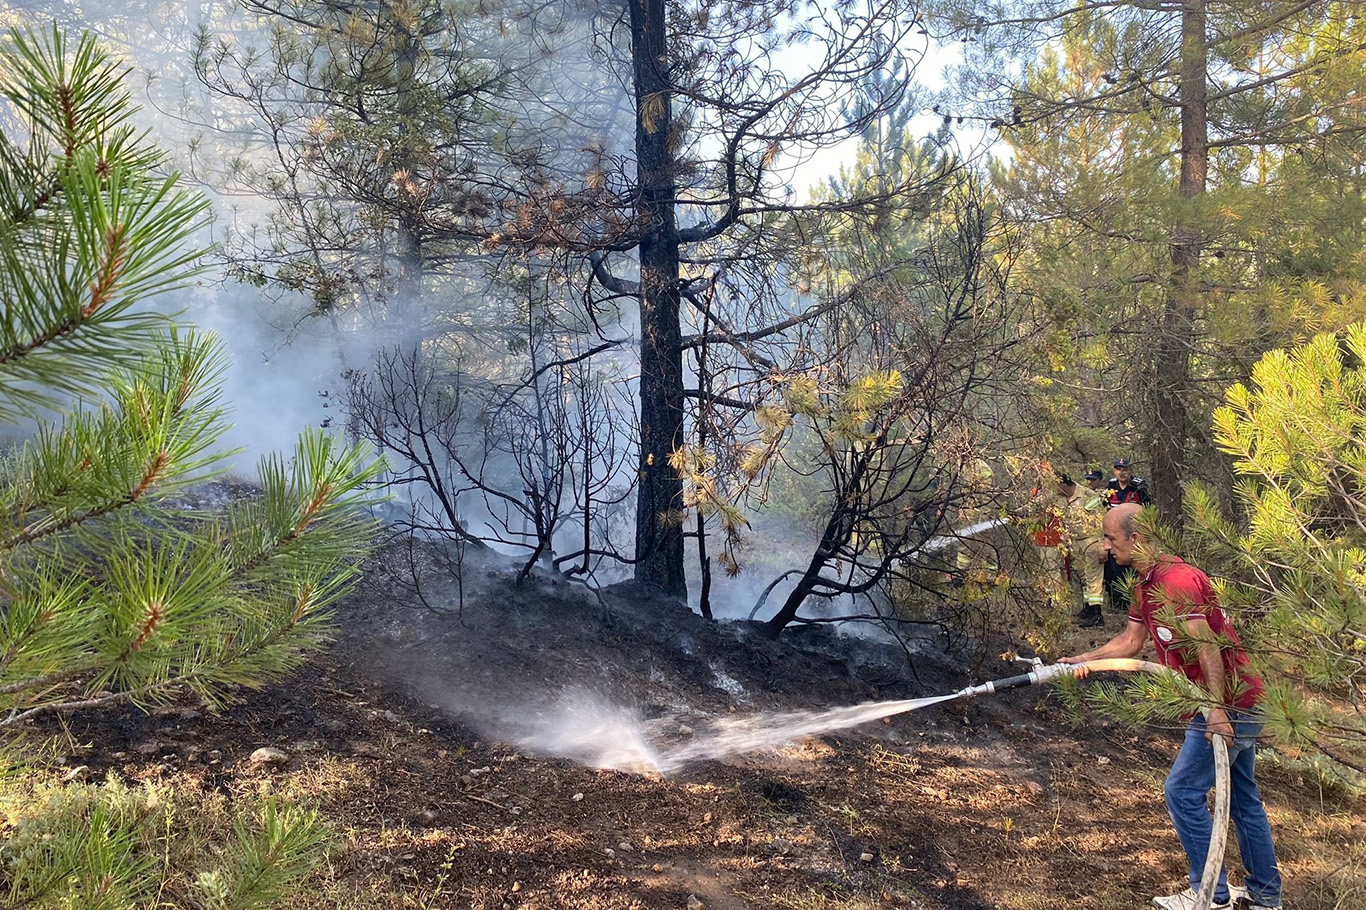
1186	901
1242	902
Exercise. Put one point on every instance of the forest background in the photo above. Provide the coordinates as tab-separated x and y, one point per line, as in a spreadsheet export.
549	261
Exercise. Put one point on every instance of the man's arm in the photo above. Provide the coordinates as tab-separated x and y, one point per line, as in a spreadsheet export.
1212	669
1126	644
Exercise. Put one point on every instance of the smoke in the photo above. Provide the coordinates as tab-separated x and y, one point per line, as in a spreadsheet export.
277	383
287	367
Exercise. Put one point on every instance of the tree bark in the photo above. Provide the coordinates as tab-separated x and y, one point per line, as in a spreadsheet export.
402	309
659	499
1172	351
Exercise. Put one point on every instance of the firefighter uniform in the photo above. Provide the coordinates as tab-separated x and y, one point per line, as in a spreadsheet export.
1082	516
1049	537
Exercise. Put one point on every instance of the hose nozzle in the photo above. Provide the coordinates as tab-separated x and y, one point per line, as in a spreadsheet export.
1040	673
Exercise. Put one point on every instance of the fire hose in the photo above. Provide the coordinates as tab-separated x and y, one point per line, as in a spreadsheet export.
1042	673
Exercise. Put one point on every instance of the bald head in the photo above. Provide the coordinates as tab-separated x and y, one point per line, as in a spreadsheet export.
1121	533
1122	517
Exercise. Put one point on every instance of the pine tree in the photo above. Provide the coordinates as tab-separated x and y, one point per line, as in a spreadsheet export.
1175	169
109	591
1288	563
1292	560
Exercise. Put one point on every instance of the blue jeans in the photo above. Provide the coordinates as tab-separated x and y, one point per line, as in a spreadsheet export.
1187	788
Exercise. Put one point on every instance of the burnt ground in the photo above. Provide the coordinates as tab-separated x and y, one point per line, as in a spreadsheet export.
405	734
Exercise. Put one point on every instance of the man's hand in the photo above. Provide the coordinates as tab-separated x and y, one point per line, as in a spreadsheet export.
1082	671
1217	722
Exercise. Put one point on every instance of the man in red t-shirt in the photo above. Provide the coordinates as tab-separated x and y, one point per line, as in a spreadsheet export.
1176	607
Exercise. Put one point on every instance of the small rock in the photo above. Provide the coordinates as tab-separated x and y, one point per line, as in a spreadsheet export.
80	773
577	797
391	717
694	903
706	818
656	868
1103	760
270	757
684	730
148	748
119	756
791	819
515	810
865	857
516	886
782	845
624	846
611	854
1035	788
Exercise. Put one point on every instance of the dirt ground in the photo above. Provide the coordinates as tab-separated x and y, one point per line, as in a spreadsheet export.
406	735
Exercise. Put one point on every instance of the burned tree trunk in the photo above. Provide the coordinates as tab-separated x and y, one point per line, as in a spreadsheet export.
659	495
402	300
1172	351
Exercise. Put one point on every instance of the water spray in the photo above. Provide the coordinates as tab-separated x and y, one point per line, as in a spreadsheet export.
1043	673
730	736
604	737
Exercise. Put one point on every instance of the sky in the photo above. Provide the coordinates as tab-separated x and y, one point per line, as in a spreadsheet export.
806	168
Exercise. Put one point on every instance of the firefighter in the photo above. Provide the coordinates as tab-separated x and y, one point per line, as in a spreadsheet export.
1123	488
1049	537
1084	510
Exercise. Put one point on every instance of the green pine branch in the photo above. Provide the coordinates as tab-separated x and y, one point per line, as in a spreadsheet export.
87	230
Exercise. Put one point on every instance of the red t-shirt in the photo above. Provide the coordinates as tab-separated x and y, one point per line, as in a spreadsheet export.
1173	592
